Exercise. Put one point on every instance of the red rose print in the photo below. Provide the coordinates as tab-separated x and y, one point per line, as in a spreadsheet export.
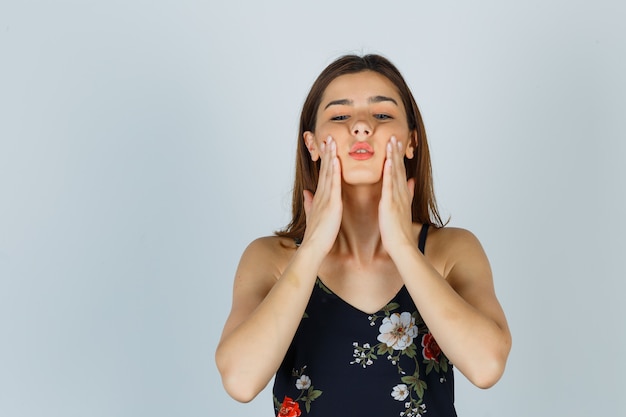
431	348
289	408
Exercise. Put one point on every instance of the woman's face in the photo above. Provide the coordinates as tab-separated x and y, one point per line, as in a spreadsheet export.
361	112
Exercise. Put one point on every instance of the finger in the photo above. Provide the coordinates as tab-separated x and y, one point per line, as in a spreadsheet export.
335	173
387	190
324	189
399	171
330	191
398	160
396	165
324	169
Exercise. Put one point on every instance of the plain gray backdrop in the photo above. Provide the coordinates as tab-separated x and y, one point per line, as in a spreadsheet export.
144	144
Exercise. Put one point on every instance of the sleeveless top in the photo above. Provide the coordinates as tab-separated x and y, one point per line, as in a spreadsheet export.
345	362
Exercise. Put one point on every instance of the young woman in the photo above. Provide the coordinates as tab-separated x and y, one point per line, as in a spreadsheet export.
363	303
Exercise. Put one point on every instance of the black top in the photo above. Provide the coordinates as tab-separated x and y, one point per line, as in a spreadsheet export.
345	362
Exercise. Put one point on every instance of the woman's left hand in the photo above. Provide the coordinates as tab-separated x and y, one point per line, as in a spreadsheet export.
394	209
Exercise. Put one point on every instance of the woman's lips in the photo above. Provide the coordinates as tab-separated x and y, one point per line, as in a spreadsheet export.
361	151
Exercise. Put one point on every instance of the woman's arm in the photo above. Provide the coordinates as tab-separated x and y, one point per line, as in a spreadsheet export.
266	311
460	308
458	305
269	299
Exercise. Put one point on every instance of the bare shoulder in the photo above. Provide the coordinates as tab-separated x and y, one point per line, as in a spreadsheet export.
467	270
271	248
266	257
261	264
457	248
452	236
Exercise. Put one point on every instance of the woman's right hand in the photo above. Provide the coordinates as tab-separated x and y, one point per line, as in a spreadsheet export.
324	208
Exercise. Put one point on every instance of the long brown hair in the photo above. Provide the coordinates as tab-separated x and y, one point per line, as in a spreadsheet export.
424	207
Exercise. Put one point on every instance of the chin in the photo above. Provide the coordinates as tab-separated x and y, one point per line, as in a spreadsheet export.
362	178
362	173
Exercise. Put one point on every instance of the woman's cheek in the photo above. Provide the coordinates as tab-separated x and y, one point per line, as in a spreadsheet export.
326	131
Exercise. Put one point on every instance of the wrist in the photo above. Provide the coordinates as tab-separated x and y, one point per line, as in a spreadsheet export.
402	250
311	255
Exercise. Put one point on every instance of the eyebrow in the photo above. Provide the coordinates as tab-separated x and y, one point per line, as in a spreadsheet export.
347	102
380	99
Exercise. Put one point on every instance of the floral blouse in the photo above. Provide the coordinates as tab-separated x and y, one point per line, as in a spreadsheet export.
344	362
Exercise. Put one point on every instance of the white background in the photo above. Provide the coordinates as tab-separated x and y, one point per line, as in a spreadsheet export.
144	144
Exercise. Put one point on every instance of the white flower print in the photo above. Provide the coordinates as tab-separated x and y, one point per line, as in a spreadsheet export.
395	338
400	392
398	331
304	382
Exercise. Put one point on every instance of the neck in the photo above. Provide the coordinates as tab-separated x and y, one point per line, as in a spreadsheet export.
359	235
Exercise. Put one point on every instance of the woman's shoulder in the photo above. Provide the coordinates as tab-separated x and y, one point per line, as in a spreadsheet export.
268	254
449	246
452	235
272	245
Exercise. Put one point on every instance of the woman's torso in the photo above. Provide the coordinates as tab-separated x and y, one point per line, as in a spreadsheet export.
348	358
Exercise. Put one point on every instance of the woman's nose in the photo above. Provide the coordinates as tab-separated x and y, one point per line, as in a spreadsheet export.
361	128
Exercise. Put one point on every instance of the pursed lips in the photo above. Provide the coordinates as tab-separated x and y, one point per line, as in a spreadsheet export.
361	151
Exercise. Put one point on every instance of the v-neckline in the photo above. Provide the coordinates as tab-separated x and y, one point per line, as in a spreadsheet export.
381	309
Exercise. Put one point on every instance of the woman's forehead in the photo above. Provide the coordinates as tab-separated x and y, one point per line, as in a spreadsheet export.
360	86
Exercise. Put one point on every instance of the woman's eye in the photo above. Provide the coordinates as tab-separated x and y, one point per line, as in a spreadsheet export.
339	118
381	116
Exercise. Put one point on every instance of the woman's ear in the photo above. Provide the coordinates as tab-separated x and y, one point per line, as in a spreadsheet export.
309	141
410	148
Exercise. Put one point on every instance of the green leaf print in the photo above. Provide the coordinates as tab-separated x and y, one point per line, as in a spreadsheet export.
390	307
323	287
410	351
